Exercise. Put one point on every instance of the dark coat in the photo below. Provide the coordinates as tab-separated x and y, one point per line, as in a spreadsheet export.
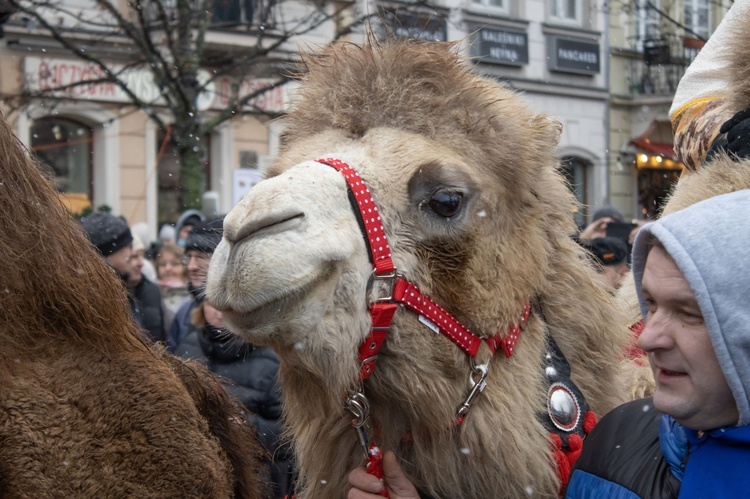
149	313
250	374
623	456
180	325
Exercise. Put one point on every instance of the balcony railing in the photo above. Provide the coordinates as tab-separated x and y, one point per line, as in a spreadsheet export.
663	63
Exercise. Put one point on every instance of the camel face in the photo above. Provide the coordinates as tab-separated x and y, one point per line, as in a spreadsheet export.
286	245
294	254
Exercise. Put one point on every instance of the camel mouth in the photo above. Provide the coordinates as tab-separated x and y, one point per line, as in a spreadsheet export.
258	318
268	227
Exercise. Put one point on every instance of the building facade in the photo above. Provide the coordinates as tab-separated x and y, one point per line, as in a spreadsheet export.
551	52
651	45
104	151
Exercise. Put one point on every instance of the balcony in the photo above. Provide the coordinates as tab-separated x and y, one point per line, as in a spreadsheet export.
660	65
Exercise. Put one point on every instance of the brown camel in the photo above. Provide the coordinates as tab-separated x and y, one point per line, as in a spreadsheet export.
477	216
87	409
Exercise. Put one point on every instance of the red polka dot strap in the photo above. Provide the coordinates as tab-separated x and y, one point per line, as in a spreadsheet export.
409	295
405	292
379	248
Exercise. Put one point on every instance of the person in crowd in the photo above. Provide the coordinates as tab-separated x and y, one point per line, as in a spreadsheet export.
140	230
611	256
167	234
249	373
692	438
188	219
153	316
172	276
112	238
598	225
199	246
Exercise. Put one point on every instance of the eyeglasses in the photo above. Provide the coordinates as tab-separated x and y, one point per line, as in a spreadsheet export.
199	258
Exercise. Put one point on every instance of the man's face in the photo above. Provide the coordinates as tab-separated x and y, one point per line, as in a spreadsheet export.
690	385
120	260
136	266
184	231
197	266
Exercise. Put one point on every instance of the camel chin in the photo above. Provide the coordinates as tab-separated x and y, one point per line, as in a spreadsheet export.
279	262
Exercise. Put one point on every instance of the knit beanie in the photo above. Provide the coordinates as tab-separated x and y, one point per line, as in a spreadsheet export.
205	236
608	212
108	233
607	250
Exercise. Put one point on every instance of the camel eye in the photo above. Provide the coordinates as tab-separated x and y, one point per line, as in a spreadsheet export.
446	203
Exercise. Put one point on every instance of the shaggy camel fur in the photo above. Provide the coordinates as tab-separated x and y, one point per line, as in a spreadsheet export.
86	408
292	272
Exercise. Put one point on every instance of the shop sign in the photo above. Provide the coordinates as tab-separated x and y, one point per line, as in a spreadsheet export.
420	26
499	46
574	56
62	78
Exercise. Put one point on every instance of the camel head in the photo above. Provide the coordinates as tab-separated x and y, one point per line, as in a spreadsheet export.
458	167
475	213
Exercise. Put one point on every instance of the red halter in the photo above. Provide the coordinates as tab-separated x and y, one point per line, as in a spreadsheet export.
400	291
405	292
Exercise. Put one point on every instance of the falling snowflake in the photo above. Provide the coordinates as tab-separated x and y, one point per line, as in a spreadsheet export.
465	451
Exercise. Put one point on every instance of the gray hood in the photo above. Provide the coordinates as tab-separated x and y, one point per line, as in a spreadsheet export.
710	243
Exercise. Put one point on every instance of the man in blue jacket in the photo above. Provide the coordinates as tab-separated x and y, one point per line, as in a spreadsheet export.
693	438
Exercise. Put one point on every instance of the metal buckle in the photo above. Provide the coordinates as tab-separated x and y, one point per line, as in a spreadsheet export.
477	386
378	283
359	406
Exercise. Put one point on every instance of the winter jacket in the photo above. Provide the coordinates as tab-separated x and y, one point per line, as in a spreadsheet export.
636	452
150	310
180	325
250	374
622	458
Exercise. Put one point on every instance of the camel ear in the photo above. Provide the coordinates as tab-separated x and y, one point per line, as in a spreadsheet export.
547	130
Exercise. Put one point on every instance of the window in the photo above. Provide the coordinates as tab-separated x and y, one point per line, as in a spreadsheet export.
566	10
697	24
697	18
648	19
495	4
64	147
232	12
575	172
